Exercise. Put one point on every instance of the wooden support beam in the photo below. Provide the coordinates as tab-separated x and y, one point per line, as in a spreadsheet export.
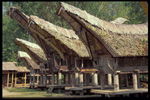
116	82
120	81
37	79
135	85
76	78
94	79
15	79
59	78
12	79
41	78
8	79
30	80
81	79
102	78
25	79
138	79
109	79
33	81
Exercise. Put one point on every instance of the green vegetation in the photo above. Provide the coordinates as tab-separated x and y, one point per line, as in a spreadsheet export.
104	10
25	92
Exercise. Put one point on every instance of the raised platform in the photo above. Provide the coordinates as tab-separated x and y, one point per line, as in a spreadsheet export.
119	92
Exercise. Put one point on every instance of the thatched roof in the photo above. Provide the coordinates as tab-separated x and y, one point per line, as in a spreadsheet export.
27	60
119	20
9	66
63	39
35	52
119	39
23	20
22	69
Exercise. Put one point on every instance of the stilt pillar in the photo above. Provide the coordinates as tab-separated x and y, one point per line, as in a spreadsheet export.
69	78
109	79
25	79
102	78
59	78
87	79
116	82
135	85
94	79
15	79
81	79
53	78
73	79
64	78
76	78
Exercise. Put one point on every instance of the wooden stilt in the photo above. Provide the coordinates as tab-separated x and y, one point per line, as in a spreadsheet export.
94	79
138	79
76	78
81	79
116	82
33	81
109	79
41	80
30	80
25	79
59	78
37	79
135	85
12	79
120	79
102	75
8	79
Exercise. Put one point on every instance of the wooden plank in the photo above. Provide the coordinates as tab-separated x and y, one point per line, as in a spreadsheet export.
119	92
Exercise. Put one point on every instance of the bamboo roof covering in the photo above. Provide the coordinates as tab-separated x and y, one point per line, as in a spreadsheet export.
9	66
28	60
22	69
120	40
23	20
35	52
62	39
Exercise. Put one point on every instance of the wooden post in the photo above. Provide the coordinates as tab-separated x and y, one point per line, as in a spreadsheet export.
37	79
102	75
8	79
44	81
30	79
138	79
25	79
116	82
33	80
81	79
135	85
109	79
59	78
76	78
94	79
12	79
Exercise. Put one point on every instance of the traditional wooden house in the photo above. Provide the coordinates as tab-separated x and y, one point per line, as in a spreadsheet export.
67	42
62	49
9	74
114	48
32	66
22	77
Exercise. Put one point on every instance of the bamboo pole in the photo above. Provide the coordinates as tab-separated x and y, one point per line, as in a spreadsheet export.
8	79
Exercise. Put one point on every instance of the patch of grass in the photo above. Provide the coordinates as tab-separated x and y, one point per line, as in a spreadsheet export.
23	90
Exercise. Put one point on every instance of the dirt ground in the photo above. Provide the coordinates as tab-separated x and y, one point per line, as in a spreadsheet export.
6	93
